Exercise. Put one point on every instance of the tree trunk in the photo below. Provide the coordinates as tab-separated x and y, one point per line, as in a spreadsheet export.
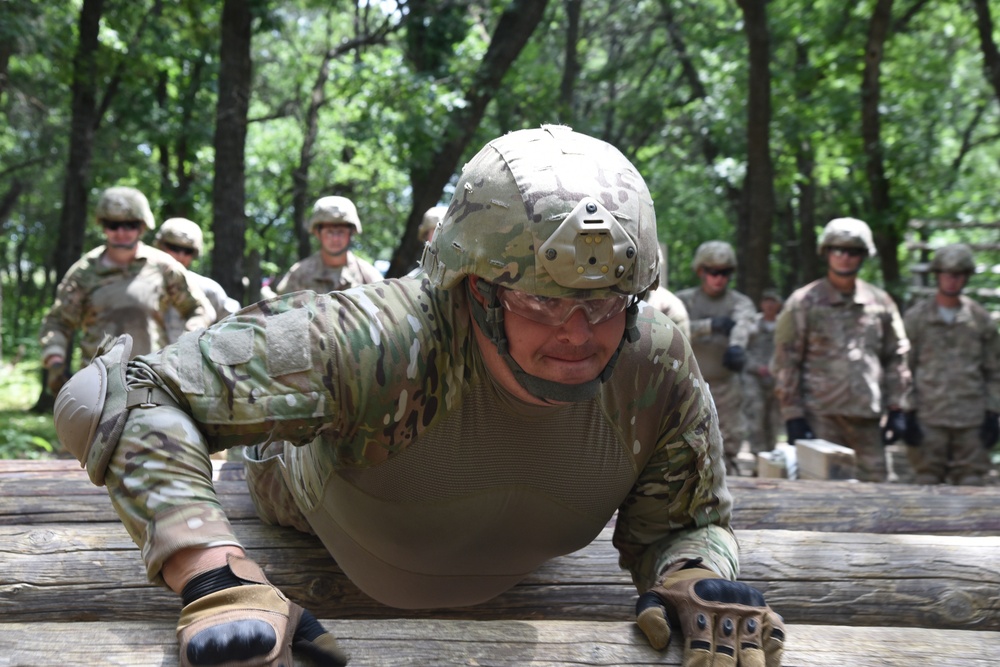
571	66
515	27
228	188
883	227
73	217
755	234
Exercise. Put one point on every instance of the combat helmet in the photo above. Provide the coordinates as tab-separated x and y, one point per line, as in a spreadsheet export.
846	233
551	213
122	204
716	254
181	232
431	218
954	258
334	210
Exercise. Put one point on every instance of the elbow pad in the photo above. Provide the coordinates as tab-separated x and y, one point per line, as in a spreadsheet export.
90	410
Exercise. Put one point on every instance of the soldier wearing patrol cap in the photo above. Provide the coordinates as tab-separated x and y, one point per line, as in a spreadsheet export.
123	286
333	222
182	239
721	319
955	361
445	435
840	354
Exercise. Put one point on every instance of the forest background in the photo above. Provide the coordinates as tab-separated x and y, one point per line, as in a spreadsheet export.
752	121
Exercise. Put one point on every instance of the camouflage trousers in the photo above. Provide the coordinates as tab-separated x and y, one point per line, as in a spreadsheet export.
267	480
861	434
728	396
763	415
949	456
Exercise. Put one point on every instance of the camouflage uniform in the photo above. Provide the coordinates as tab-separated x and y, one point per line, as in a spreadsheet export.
98	300
312	274
221	302
436	471
709	348
670	305
760	405
956	380
839	359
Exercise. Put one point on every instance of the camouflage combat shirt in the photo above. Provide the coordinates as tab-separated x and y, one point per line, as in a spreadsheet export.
223	304
837	354
312	274
709	347
384	392
670	305
955	366
97	299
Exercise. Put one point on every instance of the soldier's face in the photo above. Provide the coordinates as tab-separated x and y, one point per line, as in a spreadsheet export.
573	352
951	284
714	280
334	239
770	308
844	261
123	234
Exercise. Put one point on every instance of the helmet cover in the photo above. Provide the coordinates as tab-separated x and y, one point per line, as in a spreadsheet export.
123	204
182	232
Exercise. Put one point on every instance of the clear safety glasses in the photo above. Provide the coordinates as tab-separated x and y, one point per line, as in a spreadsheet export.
554	312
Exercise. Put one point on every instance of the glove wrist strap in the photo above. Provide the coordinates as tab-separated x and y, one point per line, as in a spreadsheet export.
208	582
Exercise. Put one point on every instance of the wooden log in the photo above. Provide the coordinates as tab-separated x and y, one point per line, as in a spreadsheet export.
62	493
420	643
92	572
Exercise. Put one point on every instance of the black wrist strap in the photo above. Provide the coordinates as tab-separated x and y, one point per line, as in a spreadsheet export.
212	581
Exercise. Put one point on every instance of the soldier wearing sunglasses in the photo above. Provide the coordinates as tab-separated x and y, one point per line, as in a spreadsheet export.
840	356
182	239
721	322
123	286
444	435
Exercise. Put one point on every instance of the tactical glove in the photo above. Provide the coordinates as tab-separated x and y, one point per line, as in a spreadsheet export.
723	325
734	358
55	377
895	426
989	432
232	615
724	622
798	429
913	435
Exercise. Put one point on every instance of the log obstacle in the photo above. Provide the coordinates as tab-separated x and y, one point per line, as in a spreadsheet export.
834	558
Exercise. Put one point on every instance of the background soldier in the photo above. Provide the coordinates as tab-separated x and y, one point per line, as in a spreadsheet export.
955	361
121	287
840	354
334	267
444	436
669	303
760	405
182	239
721	319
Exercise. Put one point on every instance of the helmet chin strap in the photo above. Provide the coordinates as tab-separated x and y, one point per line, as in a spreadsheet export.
490	319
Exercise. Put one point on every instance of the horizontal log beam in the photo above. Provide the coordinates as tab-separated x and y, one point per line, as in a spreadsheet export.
84	572
419	643
34	493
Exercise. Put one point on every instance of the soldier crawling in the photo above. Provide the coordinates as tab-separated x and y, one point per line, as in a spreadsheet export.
443	435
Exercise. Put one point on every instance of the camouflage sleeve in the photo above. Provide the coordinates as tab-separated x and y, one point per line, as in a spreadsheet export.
895	349
789	355
991	363
680	507
911	324
188	298
290	281
64	317
743	313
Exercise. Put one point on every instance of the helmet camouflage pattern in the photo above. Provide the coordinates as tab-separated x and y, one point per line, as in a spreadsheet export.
954	258
716	254
182	232
431	218
333	211
122	204
550	212
847	233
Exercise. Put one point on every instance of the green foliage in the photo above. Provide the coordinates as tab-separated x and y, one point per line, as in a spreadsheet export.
24	434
